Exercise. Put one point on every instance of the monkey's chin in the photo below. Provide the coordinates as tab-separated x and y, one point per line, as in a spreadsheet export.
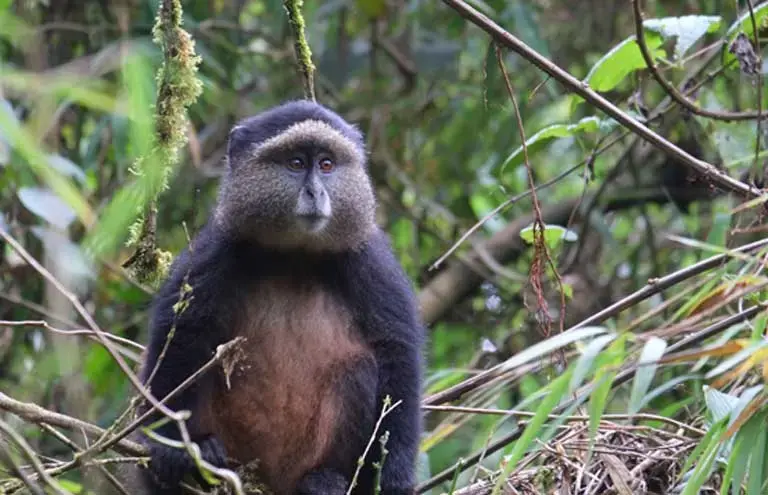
312	224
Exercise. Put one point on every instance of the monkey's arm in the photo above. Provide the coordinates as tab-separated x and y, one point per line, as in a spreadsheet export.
392	327
183	337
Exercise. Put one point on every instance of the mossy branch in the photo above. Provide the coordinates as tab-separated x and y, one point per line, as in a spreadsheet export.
177	88
301	46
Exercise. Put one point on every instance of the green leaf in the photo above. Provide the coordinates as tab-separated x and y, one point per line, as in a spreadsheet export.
738	460
710	446
743	25
138	92
621	61
553	235
550	345
539	140
687	29
598	398
557	390
5	147
585	361
757	462
481	206
646	369
72	263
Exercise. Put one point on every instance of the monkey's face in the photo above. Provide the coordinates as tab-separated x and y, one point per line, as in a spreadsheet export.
305	187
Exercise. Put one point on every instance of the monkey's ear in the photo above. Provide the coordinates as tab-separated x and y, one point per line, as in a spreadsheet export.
235	143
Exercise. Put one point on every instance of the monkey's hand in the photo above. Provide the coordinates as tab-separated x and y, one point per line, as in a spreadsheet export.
398	491
323	482
169	465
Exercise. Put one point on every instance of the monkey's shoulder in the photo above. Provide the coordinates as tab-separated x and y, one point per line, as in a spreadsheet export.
224	279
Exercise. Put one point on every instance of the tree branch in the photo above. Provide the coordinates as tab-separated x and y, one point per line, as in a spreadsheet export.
582	89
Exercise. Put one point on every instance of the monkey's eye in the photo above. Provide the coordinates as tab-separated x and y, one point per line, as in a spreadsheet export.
296	164
326	165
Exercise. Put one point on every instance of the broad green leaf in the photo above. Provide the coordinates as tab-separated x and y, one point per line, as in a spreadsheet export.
646	369
47	205
66	167
719	404
621	61
550	345
687	29
543	137
744	25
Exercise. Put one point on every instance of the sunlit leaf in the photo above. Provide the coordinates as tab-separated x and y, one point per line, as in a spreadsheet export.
481	206
550	345
47	205
73	265
66	167
621	61
545	136
719	404
646	368
553	235
687	29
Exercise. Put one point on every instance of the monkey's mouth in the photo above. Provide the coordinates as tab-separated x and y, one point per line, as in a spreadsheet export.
312	222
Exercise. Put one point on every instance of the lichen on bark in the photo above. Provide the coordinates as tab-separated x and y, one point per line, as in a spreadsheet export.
177	88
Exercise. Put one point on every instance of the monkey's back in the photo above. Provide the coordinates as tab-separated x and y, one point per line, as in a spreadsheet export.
301	347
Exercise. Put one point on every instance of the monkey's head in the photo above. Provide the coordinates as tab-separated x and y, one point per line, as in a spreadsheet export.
297	179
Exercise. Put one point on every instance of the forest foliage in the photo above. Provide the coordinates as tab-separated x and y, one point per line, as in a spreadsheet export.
574	188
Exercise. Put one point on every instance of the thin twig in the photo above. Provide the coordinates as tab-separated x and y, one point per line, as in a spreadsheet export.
571	418
36	414
361	461
75	331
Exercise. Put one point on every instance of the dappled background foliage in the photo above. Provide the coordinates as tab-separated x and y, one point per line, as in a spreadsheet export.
434	96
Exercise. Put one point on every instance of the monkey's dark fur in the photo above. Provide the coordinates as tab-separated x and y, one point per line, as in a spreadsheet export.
329	318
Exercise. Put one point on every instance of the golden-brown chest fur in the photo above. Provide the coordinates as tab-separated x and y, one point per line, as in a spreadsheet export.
283	405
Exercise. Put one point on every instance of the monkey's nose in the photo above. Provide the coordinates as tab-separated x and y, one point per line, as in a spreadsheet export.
314	193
